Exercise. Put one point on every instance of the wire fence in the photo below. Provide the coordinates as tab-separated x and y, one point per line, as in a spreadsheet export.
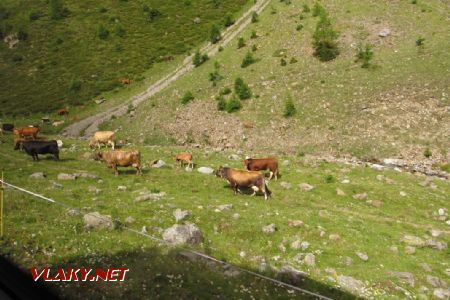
161	241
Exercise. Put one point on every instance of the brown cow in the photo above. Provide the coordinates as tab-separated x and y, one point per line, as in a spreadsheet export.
184	158
102	137
125	81
62	112
121	158
260	164
26	132
240	178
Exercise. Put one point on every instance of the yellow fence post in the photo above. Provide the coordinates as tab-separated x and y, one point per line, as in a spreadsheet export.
1	208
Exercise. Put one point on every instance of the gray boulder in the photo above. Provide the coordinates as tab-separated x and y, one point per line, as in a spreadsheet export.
351	284
205	170
65	176
183	234
95	220
181	214
38	175
269	229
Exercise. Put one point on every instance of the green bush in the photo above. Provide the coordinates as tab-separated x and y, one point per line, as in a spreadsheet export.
34	15
329	178
325	40
293	60
299	27
427	153
228	21
306	8
255	17
102	32
221	103
214	77
152	13
253	35
75	86
283	62
188	97
215	34
241	43
289	108
57	10
234	104
199	59
242	89
225	91
364	55
318	10
248	60
254	48
420	41
119	30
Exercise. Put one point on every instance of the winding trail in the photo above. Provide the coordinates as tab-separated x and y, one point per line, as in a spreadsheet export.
90	125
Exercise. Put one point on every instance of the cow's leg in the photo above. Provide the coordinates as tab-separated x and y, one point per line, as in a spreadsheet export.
138	170
255	189
37	157
270	175
56	156
116	171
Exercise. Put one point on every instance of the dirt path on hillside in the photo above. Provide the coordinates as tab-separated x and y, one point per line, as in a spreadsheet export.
90	125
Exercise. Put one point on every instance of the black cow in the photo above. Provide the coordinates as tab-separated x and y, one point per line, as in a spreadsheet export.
7	127
34	148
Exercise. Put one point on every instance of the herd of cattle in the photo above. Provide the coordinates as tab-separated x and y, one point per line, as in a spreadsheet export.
26	139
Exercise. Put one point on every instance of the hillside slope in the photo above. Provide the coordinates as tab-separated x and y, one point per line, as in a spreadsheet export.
397	106
48	63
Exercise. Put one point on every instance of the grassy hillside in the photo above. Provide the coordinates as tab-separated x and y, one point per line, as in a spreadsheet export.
397	205
70	54
396	106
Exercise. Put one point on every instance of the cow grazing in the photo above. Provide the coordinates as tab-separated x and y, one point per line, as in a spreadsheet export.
62	112
34	148
27	132
102	137
125	81
121	158
7	127
247	179
185	158
260	164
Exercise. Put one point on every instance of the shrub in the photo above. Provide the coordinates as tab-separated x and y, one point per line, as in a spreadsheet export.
413	1
57	10
220	49
34	15
293	60
365	55
242	89
299	27
253	35
301	17
216	3
215	34
241	43
283	62
289	108
325	40
75	86
420	41
318	10
254	48
214	77
152	13
329	178
255	17
228	21
199	58
234	104
188	97
102	10
225	91
248	60
306	8
221	103
427	153
120	31
102	32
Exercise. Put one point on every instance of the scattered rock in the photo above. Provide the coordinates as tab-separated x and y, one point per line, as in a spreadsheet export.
223	207
121	188
437	245
402	193
158	163
64	176
188	169
413	241
362	196
384	33
351	284
410	250
129	220
435	232
426	267
269	229
436	282
183	234
310	260
334	237
296	223
290	275
84	174
345	181
362	256
304	245
56	185
181	214
404	276
229	271
332	272
323	213
285	185
95	220
305	187
150	196
73	212
282	247
93	189
441	212
205	170
38	175
375	203
340	192
348	261
285	163
297	244
393	249
236	216
234	157
197	20
441	293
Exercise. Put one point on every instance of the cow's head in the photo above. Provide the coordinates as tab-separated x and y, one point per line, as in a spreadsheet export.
98	156
221	172
18	145
92	143
247	161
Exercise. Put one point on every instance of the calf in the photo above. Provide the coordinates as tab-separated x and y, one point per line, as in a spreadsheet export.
34	148
102	137
249	179
62	112
121	158
185	158
24	132
259	164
